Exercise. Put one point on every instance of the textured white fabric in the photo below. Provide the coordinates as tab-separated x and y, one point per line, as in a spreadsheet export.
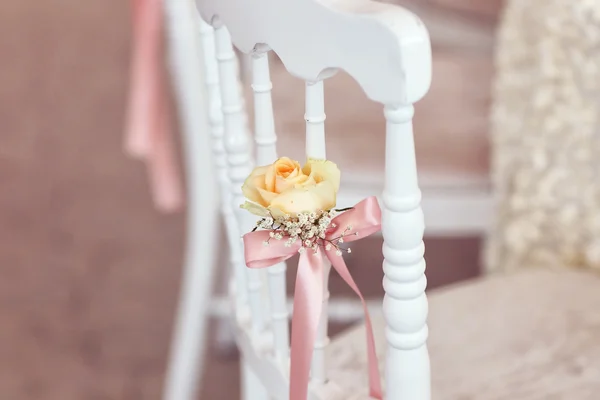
528	335
546	135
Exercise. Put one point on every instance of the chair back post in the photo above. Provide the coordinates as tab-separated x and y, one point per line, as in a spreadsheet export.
407	367
238	147
266	153
316	149
190	330
215	118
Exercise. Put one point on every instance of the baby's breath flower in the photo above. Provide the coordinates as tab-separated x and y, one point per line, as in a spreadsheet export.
308	227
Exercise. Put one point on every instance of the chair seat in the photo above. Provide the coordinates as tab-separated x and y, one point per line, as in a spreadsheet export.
530	335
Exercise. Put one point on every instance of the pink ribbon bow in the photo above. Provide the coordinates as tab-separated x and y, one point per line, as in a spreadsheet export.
147	133
364	219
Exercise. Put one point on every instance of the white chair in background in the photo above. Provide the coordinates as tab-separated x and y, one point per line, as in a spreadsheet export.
186	61
522	336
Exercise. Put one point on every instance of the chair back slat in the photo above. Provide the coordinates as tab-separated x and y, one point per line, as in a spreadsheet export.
266	153
264	121
215	117
316	148
315	120
237	144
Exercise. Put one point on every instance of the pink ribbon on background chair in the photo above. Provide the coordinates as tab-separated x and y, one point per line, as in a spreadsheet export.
364	220
148	134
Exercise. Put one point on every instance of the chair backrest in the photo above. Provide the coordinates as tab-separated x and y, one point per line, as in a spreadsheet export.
386	50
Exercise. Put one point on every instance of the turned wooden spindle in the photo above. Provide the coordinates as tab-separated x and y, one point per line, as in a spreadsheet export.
237	145
315	148
266	153
405	303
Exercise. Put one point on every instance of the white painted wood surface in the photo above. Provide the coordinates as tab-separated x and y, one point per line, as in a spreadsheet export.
315	148
215	118
313	37
237	145
407	369
185	62
266	153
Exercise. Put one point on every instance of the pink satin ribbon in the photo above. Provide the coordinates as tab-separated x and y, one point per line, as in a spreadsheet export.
148	135
365	219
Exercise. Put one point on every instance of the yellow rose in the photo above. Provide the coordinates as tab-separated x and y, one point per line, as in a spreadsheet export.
285	188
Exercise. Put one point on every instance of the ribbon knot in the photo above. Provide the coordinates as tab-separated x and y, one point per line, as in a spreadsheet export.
362	220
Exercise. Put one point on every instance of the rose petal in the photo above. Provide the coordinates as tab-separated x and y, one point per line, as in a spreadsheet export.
251	187
255	209
270	176
324	194
305	199
282	184
309	180
267	196
323	170
294	201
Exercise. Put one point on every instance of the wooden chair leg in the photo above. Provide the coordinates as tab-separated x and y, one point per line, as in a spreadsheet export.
188	343
252	388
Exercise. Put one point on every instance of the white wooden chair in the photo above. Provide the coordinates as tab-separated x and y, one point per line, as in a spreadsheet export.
455	203
491	338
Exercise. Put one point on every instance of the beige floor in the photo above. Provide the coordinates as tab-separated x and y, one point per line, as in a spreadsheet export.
90	271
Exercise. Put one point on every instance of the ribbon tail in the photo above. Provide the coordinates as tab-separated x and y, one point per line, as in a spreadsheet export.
308	299
142	90
374	377
164	172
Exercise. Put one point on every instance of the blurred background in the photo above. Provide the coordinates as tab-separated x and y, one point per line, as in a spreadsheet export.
90	270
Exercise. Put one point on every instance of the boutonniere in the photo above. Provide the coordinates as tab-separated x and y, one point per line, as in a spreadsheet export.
296	204
297	214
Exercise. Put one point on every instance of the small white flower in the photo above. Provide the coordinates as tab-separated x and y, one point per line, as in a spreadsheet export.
265	243
328	246
341	240
338	252
349	251
271	234
301	250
